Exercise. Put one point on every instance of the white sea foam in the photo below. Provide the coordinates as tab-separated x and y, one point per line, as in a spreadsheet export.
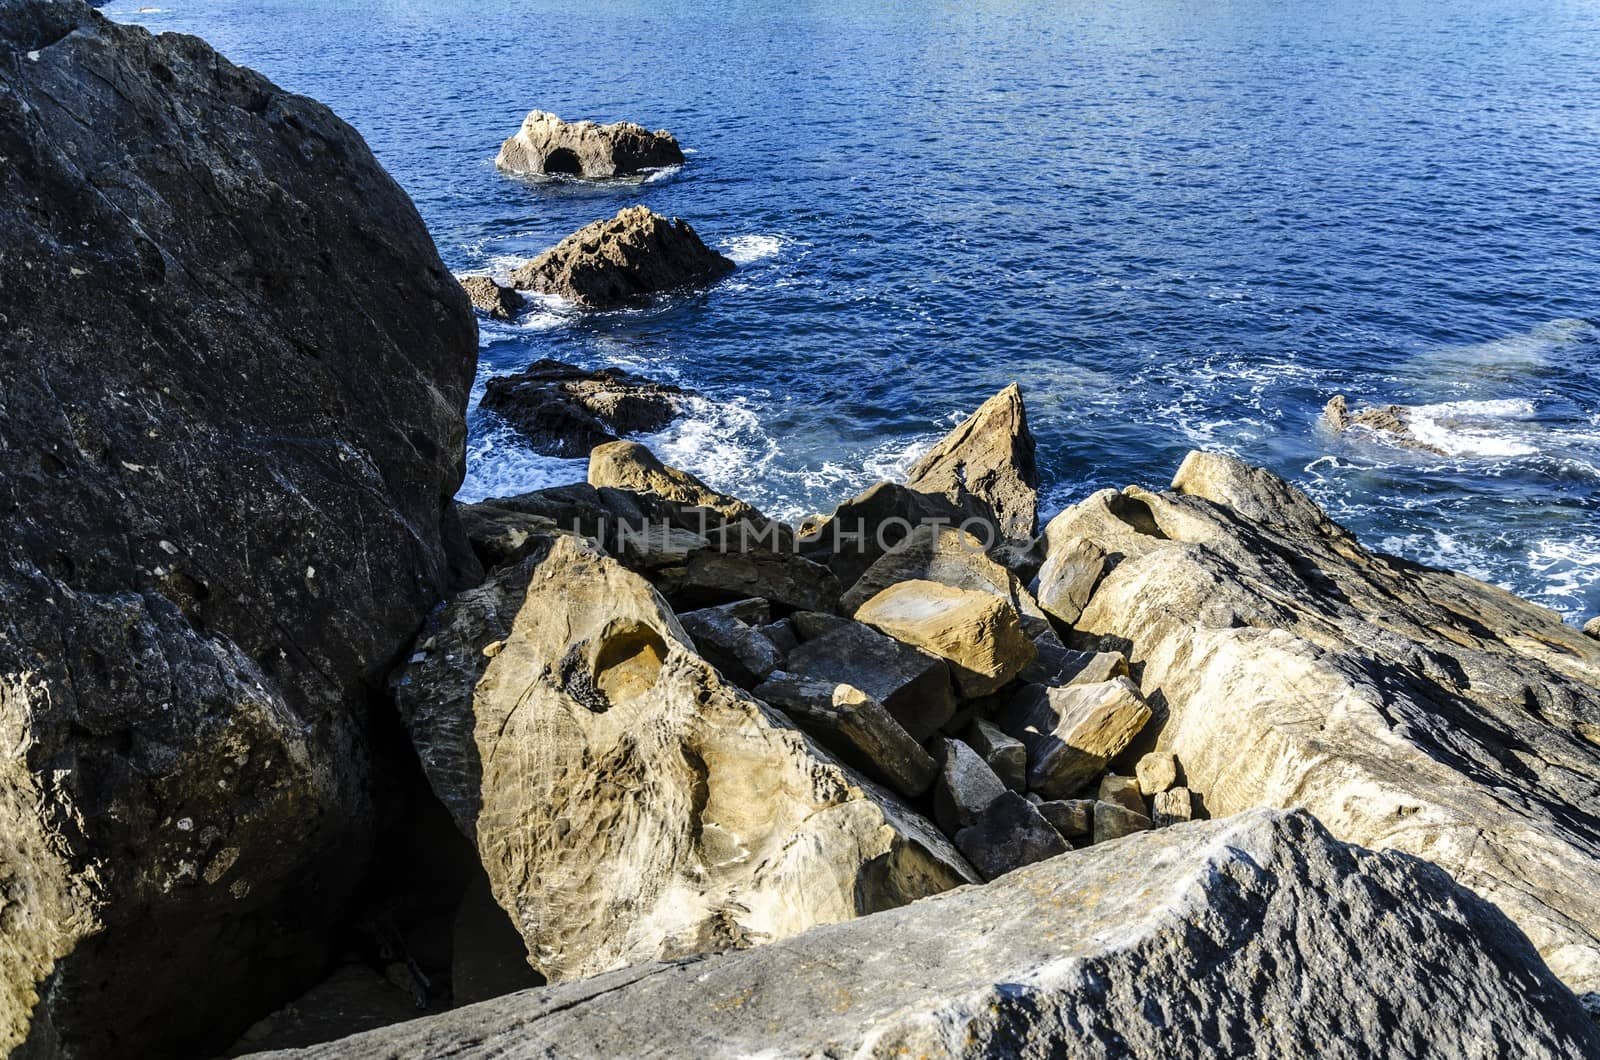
746	249
1477	429
499	464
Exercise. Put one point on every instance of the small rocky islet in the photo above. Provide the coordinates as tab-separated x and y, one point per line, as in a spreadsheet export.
297	747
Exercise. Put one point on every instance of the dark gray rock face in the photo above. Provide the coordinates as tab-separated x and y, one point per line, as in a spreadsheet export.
1254	936
622	259
1008	834
564	410
231	421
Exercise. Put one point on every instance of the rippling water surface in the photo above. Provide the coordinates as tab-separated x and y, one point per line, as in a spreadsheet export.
1177	224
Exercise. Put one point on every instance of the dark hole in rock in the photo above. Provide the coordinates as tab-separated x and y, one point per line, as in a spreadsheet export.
629	661
423	933
563	162
1136	513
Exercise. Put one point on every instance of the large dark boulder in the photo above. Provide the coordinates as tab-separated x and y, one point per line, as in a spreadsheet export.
231	422
564	410
623	259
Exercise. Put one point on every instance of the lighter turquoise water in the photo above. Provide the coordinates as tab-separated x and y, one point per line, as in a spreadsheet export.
1177	224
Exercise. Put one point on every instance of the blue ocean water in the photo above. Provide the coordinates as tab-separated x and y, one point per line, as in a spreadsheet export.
1177	224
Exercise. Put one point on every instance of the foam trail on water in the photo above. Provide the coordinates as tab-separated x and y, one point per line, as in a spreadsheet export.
747	249
1477	429
500	464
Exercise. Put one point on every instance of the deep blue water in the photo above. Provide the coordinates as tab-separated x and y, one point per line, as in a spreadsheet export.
1176	224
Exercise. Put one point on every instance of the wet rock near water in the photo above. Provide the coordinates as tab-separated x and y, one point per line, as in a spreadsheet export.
490	299
990	458
564	410
546	146
1391	423
622	260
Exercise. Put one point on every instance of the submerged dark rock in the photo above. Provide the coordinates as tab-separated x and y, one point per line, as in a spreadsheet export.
623	259
564	410
549	147
225	458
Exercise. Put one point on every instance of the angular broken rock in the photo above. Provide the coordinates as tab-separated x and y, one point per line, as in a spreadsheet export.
1057	664
990	457
500	536
1154	949
1124	791
855	727
913	685
631	466
1005	754
1072	732
877	521
1068	578
711	574
965	787
1157	771
564	410
738	650
623	259
1073	818
626	803
1008	834
1113	821
977	633
1171	807
949	556
1592	628
546	146
490	299
1410	708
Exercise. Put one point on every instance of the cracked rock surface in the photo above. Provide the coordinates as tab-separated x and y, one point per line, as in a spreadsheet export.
217	529
1409	708
1256	936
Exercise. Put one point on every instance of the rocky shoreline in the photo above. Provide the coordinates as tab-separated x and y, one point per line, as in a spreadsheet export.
295	747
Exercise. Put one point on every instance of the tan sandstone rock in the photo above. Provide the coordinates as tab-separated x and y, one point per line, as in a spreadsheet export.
1157	771
619	260
990	456
628	804
490	299
1072	732
1409	708
977	633
631	466
952	557
549	147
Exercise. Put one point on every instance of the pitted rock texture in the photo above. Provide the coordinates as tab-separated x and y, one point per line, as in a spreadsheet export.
564	410
1254	936
546	146
627	803
623	259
